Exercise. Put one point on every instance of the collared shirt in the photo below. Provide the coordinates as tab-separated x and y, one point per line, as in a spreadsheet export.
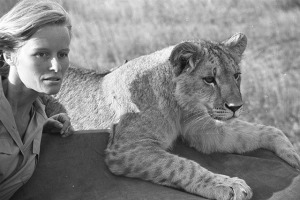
18	157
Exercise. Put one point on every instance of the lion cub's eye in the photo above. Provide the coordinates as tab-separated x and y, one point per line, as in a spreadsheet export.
209	80
237	75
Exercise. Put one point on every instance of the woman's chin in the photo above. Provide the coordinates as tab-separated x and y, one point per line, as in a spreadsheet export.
51	91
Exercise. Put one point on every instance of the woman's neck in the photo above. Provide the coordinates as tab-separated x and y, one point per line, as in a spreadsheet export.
19	97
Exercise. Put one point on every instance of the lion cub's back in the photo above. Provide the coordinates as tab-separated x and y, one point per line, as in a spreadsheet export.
130	87
141	64
81	94
120	80
94	101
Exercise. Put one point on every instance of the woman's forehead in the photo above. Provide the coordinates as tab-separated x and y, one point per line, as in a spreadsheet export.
53	36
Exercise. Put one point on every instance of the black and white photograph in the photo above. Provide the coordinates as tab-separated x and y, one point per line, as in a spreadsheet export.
149	100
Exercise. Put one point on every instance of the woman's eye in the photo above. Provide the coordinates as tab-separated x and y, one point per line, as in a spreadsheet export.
41	55
209	79
237	75
62	55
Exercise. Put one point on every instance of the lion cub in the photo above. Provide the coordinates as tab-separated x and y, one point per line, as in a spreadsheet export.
191	90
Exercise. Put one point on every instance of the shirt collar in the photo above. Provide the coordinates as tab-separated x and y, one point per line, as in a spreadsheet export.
7	118
37	104
1	89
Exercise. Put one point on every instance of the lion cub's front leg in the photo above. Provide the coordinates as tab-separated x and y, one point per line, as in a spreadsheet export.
147	161
240	136
276	141
267	137
137	150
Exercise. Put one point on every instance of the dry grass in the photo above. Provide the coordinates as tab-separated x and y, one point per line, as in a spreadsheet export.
106	32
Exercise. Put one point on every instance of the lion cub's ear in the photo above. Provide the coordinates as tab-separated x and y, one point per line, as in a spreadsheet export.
185	57
237	44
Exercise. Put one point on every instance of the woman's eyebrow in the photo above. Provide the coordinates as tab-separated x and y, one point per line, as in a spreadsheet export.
66	49
40	48
47	49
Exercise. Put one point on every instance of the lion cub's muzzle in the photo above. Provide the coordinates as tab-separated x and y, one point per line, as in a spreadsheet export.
227	112
233	108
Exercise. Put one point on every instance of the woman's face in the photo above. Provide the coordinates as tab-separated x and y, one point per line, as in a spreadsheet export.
43	59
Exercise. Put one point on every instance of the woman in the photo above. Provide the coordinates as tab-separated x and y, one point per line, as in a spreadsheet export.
34	47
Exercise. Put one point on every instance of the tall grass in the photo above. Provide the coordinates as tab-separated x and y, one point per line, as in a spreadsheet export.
106	32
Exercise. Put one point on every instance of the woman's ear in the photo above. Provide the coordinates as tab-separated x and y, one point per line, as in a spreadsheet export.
8	57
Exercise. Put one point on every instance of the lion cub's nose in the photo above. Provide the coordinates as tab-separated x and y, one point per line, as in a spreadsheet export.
233	107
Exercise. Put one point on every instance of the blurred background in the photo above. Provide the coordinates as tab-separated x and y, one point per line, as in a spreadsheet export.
107	32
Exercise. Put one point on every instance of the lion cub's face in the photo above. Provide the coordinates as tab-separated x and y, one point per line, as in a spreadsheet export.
208	77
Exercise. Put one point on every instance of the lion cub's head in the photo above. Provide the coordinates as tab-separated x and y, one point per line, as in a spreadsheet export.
208	76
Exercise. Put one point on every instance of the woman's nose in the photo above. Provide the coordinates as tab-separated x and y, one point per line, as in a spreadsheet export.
55	65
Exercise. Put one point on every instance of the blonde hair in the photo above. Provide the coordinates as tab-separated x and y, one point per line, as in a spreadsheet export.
23	20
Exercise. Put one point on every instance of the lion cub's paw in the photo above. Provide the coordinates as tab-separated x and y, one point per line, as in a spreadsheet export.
233	189
291	157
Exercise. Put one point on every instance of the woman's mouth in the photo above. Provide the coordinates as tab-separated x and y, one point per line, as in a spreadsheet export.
52	79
